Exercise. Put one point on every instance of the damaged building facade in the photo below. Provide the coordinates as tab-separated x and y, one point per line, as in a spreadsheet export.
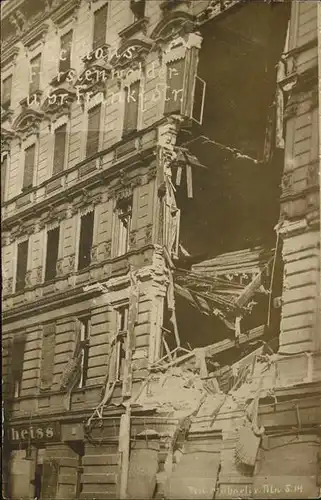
160	249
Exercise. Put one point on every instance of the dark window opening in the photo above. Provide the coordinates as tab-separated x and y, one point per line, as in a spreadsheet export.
4	170
85	240
124	218
65	52
22	262
6	93
59	149
174	88
131	108
17	361
30	154
84	351
122	325
92	145
100	27
52	253
35	69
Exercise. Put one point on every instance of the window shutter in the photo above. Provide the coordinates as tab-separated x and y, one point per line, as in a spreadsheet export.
100	27
4	168
49	479
59	150
6	92
22	261
131	108
93	130
86	239
52	253
175	83
35	65
29	166
47	355
65	52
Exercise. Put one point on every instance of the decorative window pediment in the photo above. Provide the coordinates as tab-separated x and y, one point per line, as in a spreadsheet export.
38	33
176	23
129	52
137	26
9	56
58	102
6	137
65	10
28	123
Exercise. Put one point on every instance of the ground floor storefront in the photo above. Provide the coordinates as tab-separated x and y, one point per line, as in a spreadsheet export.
144	455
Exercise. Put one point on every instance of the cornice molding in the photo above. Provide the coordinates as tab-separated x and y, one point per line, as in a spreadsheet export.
64	9
37	33
9	56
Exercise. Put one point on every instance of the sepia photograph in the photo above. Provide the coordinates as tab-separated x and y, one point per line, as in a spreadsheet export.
160	249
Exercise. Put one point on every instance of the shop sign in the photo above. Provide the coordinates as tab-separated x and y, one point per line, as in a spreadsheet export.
33	432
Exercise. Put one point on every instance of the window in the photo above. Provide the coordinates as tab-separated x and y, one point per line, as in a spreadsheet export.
22	262
30	154
65	52
84	350
35	68
174	89
92	144
59	149
100	27
47	355
131	108
52	253
85	240
4	169
124	217
18	351
122	325
6	92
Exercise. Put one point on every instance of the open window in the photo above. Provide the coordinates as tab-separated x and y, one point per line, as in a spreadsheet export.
22	263
52	253
123	218
92	144
85	240
4	172
122	326
65	52
17	362
100	27
6	92
84	350
35	70
131	108
59	149
29	166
